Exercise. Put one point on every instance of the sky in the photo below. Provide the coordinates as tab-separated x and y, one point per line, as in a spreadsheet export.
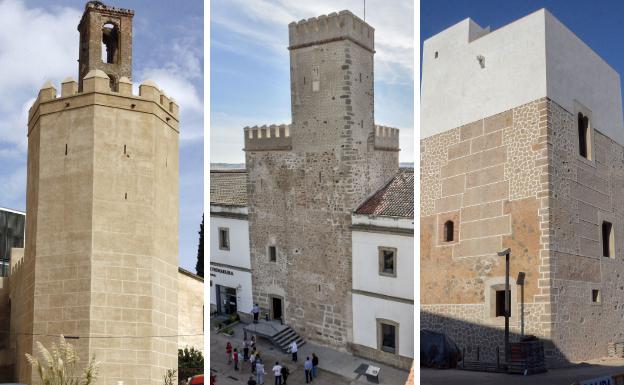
250	68
598	23
40	42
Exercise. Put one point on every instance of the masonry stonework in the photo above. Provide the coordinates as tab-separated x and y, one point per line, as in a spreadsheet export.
303	189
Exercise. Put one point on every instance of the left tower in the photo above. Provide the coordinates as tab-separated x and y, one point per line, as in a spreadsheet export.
101	257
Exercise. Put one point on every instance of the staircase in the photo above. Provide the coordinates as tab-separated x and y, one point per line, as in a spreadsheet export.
284	338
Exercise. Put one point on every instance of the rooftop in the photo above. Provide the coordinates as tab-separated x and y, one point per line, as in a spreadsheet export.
228	187
395	199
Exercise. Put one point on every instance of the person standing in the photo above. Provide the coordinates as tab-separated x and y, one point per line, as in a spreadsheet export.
235	359
277	372
228	352
293	350
245	349
255	310
314	365
253	342
252	361
307	367
285	374
259	371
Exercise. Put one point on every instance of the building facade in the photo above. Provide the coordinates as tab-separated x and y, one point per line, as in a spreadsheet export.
307	177
521	148
12	231
100	262
230	265
383	273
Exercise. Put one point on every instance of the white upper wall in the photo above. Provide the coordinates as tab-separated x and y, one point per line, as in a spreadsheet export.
238	254
533	57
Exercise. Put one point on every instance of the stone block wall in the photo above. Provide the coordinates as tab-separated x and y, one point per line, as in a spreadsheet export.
490	177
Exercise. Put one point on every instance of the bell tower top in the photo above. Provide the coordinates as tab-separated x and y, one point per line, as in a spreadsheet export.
105	42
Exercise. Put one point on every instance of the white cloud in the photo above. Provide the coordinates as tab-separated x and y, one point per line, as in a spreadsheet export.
393	23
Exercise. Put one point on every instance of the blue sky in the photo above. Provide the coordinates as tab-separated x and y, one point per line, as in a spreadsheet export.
599	23
41	43
250	68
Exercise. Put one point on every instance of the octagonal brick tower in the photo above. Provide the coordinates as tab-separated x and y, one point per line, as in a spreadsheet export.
101	256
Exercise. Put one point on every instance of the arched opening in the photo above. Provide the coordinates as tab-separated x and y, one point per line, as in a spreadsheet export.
448	231
110	43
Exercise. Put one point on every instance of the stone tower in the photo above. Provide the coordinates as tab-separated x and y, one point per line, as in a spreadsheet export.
101	258
305	178
105	42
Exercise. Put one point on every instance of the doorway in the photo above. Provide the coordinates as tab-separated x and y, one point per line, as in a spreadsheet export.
276	308
226	300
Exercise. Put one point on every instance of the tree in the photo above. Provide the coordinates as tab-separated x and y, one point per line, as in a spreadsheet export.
200	250
190	363
58	366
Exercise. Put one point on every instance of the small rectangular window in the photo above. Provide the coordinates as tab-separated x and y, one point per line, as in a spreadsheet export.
500	303
388	337
608	243
387	261
272	253
224	238
596	296
584	136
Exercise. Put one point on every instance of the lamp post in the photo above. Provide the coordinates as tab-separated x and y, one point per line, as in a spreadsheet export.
506	253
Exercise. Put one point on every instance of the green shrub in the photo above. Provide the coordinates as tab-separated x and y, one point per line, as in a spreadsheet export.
190	363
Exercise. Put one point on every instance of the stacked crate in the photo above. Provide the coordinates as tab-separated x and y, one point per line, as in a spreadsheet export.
527	357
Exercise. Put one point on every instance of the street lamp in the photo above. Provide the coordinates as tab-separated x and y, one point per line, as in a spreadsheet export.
506	253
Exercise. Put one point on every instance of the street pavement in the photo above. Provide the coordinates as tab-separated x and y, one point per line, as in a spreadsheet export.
335	368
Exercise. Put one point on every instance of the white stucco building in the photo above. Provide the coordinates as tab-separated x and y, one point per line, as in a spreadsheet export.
383	273
230	268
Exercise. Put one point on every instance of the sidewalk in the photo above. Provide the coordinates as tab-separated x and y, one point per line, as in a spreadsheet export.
335	367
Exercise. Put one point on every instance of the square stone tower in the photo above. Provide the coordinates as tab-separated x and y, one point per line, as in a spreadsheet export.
305	178
101	256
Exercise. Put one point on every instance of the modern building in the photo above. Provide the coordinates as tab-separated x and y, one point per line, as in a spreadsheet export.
522	146
383	273
230	265
100	260
306	178
12	231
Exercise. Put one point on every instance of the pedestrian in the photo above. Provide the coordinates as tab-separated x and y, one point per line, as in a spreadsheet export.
253	342
252	361
235	359
245	349
277	372
307	367
251	381
293	350
285	374
259	371
256	312
314	365
228	352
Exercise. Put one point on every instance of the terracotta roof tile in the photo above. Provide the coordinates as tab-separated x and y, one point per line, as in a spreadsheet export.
395	199
228	187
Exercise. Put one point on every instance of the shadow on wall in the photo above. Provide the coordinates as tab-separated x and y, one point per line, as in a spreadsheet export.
480	341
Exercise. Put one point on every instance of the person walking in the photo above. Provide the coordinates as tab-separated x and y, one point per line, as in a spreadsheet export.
293	350
314	365
307	367
255	310
285	374
228	352
235	359
252	361
253	342
277	372
251	381
259	371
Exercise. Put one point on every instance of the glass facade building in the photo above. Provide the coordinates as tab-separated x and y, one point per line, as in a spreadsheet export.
11	235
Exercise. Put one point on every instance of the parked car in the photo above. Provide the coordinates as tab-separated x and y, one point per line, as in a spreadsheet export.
196	380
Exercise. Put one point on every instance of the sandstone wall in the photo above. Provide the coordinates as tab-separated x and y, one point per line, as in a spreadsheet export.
190	310
489	177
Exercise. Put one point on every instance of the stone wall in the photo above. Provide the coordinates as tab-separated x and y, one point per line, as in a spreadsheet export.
489	177
190	310
7	359
584	193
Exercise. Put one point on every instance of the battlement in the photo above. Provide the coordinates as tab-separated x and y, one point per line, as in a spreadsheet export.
332	27
103	7
386	138
96	82
266	138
